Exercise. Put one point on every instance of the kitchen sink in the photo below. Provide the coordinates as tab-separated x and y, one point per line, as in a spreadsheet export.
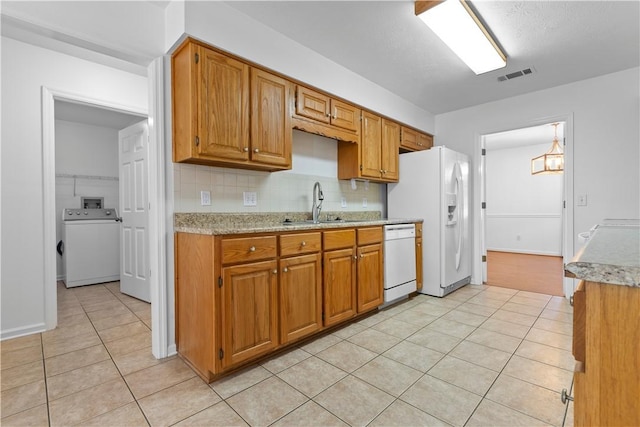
323	221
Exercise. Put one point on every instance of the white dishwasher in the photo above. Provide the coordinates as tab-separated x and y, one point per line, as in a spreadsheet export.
399	261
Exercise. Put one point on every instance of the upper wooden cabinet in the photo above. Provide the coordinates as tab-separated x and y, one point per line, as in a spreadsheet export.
227	113
318	113
412	140
376	156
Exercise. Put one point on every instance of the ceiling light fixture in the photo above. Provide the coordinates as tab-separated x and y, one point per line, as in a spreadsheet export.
460	29
552	162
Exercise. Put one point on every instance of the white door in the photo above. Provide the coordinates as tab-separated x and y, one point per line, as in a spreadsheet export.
134	205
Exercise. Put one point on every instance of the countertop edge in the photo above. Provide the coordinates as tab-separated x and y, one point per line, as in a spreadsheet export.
273	228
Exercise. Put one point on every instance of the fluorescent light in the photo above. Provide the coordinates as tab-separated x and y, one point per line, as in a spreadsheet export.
459	28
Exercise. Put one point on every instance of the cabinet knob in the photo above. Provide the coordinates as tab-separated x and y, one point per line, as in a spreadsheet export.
275	271
355	257
246	149
252	249
571	300
361	256
328	114
286	270
303	243
255	150
565	396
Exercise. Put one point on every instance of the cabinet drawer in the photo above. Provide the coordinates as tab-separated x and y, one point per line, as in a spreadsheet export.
369	235
248	249
337	239
302	243
579	322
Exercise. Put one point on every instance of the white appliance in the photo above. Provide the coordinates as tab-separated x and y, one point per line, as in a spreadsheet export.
434	185
90	246
399	276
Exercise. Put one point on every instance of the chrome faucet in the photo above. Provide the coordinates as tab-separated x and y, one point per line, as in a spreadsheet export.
318	197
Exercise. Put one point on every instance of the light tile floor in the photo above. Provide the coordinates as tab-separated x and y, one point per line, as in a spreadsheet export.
482	356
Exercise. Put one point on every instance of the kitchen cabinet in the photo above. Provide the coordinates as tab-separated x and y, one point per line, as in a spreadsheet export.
300	291
249	297
376	156
339	271
241	297
606	336
227	113
412	140
196	302
419	263
318	113
370	273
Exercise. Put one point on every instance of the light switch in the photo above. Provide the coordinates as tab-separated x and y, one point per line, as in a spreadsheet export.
205	198
250	198
343	202
364	202
582	200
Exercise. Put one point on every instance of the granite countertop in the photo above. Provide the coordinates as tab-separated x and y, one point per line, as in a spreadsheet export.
612	255
242	223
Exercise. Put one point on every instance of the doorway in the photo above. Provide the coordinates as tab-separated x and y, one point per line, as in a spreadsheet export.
523	217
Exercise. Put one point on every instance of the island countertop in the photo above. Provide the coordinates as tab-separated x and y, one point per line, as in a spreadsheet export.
612	255
243	223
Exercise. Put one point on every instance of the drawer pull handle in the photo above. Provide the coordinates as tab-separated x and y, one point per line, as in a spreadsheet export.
286	270
303	244
252	249
565	396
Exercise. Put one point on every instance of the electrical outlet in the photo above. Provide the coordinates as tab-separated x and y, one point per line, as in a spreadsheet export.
364	202
250	198
343	202
582	200
205	198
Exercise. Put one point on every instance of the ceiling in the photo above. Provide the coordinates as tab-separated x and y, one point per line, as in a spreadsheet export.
383	41
90	115
542	134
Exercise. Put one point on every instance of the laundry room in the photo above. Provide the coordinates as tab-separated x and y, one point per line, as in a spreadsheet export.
87	185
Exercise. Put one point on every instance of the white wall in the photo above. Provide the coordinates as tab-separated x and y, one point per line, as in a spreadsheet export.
605	133
88	152
524	211
314	159
25	70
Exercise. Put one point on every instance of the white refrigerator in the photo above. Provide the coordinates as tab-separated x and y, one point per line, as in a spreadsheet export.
434	185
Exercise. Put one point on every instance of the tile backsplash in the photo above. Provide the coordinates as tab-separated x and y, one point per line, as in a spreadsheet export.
276	191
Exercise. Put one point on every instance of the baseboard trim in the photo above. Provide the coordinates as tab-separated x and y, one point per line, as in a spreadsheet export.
22	331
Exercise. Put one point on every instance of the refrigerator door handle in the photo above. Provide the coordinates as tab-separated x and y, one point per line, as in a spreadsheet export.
457	175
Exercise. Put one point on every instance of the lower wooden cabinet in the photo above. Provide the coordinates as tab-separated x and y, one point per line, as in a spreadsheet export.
300	296
419	263
370	276
606	336
249	311
339	285
241	297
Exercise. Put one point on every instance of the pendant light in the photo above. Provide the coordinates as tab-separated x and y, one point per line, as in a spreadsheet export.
551	162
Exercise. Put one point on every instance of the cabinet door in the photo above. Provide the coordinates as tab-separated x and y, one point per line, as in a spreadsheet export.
390	150
408	139
345	115
312	104
270	119
300	296
371	143
370	277
424	141
339	285
249	311
223	101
